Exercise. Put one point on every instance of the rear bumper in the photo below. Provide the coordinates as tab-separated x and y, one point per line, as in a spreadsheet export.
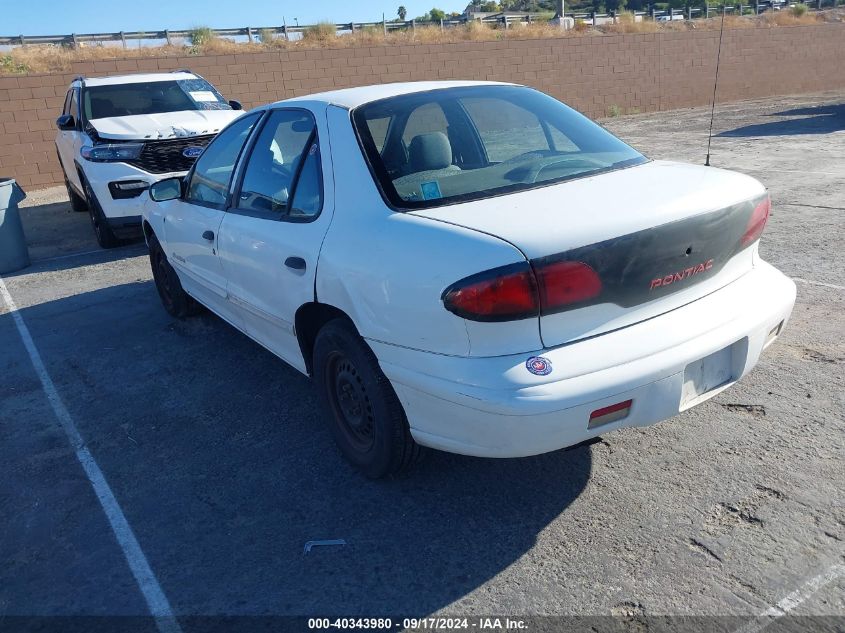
494	407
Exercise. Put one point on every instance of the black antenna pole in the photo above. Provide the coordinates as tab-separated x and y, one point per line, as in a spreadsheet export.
715	84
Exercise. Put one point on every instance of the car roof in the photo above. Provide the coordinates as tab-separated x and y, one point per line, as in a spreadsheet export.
138	78
353	97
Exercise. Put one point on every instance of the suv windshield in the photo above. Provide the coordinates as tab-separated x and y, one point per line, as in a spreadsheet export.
152	97
433	148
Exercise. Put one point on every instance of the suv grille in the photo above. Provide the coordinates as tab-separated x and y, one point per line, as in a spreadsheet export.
161	157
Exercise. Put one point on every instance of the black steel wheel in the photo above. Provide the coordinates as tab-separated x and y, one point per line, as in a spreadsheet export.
350	402
175	300
365	416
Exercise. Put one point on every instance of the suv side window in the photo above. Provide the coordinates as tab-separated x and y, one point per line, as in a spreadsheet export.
73	106
66	107
209	184
282	175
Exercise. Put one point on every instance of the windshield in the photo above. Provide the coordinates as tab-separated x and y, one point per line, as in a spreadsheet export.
433	148
151	97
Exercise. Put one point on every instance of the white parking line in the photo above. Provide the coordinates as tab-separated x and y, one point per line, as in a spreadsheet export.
138	564
797	597
817	283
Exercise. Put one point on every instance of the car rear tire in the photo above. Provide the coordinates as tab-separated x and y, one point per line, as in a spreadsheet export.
175	300
102	231
366	417
77	202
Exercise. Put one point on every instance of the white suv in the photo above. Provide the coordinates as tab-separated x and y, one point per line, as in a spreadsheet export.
118	135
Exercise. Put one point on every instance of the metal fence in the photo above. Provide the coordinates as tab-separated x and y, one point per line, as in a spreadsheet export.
293	32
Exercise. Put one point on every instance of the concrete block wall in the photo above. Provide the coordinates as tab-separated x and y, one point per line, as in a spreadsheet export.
648	72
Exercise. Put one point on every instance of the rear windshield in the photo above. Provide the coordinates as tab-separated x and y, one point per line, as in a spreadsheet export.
443	146
151	97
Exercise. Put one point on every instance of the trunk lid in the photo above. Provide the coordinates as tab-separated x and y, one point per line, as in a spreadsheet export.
658	235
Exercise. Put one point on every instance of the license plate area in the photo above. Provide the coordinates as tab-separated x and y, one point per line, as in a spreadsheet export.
705	377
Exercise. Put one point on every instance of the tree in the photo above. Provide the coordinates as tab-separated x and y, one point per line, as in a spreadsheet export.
488	7
437	14
402	12
614	5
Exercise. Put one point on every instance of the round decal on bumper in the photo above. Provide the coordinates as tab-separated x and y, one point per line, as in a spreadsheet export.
539	366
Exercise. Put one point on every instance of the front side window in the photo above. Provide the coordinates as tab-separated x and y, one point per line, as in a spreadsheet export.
152	97
467	143
74	104
209	184
282	175
66	107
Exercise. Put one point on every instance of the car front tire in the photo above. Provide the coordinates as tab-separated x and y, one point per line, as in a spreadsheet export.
365	415
175	300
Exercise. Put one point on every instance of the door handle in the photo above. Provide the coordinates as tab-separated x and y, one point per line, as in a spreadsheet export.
295	263
208	235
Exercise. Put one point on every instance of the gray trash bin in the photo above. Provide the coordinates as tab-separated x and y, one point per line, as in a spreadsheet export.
14	254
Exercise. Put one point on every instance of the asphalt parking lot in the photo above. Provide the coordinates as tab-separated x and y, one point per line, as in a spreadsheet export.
218	457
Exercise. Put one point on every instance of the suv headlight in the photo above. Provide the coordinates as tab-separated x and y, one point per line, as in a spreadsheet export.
111	152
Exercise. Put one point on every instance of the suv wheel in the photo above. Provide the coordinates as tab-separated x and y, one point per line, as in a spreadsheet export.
366	417
77	202
105	237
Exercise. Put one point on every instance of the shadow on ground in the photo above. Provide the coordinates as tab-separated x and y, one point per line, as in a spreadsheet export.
814	120
55	230
225	469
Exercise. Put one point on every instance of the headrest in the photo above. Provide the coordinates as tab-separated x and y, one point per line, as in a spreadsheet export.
430	151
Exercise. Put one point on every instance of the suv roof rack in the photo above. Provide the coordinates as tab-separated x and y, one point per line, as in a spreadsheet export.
79	78
183	70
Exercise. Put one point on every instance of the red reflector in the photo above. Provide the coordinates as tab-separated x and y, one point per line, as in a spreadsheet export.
614	408
757	221
564	283
498	295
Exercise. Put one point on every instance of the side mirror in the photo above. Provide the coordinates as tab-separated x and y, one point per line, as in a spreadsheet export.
167	189
66	122
235	104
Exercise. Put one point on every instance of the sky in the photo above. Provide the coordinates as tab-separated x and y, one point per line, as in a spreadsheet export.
54	17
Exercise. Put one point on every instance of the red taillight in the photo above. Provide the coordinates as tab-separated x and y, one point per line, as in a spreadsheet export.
520	291
757	221
501	294
564	283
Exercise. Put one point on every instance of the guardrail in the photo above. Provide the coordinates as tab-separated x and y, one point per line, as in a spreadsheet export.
251	34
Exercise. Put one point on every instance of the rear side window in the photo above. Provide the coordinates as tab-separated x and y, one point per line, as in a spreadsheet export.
425	119
508	130
282	175
467	143
209	184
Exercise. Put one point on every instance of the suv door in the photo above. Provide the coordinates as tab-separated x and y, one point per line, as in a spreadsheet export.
69	142
191	222
271	235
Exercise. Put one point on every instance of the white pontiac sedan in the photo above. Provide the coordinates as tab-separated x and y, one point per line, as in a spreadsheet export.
469	266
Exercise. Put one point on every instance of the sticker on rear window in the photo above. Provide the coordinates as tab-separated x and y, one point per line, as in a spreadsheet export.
203	95
430	190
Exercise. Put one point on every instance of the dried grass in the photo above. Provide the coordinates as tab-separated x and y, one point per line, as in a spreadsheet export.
54	59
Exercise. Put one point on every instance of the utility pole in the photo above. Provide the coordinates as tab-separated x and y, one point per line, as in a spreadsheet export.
559	13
